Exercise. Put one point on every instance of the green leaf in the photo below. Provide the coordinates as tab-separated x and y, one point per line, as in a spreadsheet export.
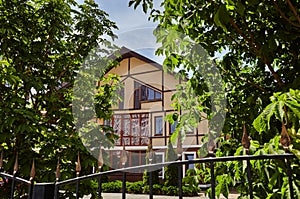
296	152
279	111
222	17
262	122
295	107
240	8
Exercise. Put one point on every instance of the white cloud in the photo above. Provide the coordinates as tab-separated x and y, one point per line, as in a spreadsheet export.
135	31
126	17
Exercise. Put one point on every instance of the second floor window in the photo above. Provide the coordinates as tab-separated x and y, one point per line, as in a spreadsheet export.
144	93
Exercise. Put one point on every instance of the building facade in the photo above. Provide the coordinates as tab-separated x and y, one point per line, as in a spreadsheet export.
139	119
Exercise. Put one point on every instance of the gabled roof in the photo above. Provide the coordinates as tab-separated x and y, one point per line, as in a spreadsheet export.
127	53
124	53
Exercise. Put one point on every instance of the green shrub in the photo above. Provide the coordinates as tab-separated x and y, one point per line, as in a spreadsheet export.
190	190
139	188
170	190
112	187
157	189
135	187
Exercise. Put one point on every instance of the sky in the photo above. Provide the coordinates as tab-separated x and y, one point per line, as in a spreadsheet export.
135	30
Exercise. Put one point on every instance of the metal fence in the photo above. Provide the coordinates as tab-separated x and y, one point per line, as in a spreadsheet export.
51	190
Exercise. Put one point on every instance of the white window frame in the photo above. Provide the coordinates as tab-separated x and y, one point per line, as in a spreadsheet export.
183	158
163	160
156	124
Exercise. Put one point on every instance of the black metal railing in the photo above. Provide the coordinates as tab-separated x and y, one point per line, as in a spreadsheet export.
151	167
211	161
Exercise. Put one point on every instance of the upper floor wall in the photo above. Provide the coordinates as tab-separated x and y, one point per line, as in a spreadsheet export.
146	86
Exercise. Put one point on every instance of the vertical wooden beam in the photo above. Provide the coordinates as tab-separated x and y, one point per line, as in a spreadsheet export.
128	66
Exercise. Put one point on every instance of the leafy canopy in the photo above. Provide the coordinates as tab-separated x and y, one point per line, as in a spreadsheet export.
259	64
42	45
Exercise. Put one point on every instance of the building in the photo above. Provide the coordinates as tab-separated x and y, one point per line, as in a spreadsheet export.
140	118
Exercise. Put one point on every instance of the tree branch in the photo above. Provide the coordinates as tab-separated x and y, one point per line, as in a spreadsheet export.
283	15
253	84
294	10
256	48
275	75
251	43
247	81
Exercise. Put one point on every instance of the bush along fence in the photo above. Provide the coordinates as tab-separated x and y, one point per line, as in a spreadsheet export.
34	190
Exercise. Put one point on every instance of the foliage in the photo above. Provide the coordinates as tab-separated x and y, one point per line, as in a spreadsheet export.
135	187
42	45
155	173
139	188
157	189
170	190
171	171
112	187
190	191
259	43
285	107
254	62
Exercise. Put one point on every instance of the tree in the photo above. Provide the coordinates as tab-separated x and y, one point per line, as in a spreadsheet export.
260	56
155	173
259	41
171	171
42	46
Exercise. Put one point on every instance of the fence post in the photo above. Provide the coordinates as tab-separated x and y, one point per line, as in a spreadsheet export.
100	164
124	160
150	184
180	181
211	153
285	142
12	191
124	185
78	169
31	180
212	179
57	176
290	177
246	145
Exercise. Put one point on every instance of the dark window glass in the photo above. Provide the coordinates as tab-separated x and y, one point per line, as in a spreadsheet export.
173	127
190	157
115	159
143	160
150	94
137	101
158	125
157	95
121	103
135	159
144	93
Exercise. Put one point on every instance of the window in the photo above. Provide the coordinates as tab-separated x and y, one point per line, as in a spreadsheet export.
115	159
159	158
148	94
158	125
144	93
132	129
121	94
173	127
188	156
135	159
